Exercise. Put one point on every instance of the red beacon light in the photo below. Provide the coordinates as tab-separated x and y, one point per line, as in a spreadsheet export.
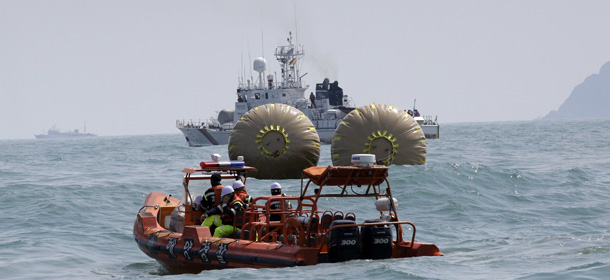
205	164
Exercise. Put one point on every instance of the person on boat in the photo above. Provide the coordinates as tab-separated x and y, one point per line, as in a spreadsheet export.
410	113
276	190
312	98
223	216
211	197
240	191
416	113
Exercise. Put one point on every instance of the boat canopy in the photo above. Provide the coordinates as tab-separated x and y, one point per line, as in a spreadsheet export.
346	175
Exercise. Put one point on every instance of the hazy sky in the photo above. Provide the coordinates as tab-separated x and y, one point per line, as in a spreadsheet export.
135	67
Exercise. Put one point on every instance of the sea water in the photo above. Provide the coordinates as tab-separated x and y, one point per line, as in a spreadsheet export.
507	200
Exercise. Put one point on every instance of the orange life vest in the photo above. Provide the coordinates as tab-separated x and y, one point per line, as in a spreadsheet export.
234	209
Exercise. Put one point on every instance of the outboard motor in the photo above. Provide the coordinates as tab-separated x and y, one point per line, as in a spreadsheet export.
343	244
376	241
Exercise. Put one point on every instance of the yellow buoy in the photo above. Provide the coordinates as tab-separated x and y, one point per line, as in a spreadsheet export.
389	133
277	139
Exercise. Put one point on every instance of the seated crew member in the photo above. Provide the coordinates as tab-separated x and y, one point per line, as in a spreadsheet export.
223	215
276	190
416	113
240	191
211	197
410	113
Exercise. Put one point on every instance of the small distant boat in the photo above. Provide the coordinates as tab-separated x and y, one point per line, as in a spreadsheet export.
429	124
56	133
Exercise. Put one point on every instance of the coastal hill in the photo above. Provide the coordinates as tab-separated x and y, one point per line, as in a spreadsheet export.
589	100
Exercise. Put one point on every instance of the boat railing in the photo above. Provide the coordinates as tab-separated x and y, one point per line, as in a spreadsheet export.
197	124
305	225
298	220
265	224
430	120
190	124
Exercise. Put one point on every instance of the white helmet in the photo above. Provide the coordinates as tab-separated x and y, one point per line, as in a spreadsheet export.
276	186
226	190
238	184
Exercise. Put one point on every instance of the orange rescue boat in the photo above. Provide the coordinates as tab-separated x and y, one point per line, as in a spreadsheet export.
167	229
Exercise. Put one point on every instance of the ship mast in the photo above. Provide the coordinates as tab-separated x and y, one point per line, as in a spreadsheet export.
288	57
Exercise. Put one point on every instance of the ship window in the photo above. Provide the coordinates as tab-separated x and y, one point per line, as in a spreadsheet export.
257	96
283	94
266	95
